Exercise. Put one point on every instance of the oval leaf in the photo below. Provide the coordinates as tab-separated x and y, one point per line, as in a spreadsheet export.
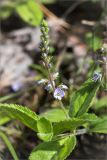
67	125
53	115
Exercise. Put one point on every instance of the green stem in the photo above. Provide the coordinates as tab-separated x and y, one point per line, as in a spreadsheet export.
51	81
64	110
50	76
78	132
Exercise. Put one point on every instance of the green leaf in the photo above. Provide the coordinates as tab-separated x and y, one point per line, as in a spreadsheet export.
45	129
54	150
9	145
83	98
53	115
101	103
30	12
67	125
99	126
89	117
24	114
4	118
74	123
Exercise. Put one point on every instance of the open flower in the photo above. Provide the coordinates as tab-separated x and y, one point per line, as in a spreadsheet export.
97	76
42	81
17	86
48	87
63	86
59	93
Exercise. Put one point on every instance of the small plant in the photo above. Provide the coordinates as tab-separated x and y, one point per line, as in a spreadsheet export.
58	128
58	91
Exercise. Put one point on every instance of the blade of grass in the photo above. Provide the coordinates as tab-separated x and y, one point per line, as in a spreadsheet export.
13	95
9	145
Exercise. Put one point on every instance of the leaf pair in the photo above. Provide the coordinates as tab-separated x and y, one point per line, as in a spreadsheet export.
57	149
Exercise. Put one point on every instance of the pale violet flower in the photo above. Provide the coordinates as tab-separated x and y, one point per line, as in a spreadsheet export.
59	93
97	76
49	65
64	87
16	86
42	81
48	87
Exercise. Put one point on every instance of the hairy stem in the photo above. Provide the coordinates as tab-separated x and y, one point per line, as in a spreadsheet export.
50	76
51	81
78	132
64	110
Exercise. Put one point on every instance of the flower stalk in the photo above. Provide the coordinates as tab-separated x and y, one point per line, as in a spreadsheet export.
57	91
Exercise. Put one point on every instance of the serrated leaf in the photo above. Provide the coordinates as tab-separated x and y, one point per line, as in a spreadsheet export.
24	114
45	129
74	123
54	150
67	125
30	12
89	117
83	98
53	115
99	126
